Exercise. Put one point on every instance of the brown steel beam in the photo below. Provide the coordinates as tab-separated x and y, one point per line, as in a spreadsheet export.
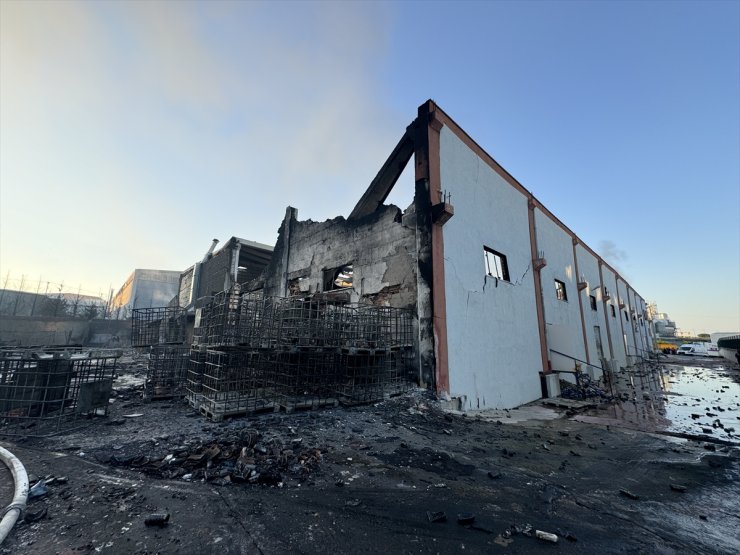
385	180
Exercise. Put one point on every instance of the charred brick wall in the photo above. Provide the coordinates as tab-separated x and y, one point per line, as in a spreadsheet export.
380	247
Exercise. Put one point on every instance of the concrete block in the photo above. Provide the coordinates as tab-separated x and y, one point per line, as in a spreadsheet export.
552	383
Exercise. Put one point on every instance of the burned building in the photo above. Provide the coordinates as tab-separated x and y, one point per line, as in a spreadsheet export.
237	261
475	290
506	298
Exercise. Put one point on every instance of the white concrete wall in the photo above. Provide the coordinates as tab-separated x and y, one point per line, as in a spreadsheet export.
615	322
562	318
648	330
626	319
639	329
492	328
588	266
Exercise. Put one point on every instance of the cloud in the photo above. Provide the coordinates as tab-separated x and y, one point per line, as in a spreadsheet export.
610	252
131	133
615	256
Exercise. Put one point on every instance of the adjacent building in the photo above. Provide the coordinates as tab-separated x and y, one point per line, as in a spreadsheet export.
144	289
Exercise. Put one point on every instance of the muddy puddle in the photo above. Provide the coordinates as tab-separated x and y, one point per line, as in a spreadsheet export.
695	400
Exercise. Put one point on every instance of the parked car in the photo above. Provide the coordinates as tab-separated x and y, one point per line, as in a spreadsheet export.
686	349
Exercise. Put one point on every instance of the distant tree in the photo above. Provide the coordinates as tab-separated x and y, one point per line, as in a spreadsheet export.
91	311
703	335
52	306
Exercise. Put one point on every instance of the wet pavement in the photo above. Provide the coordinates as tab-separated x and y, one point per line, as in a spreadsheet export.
677	397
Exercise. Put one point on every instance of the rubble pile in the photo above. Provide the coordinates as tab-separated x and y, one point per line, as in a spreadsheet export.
584	389
245	456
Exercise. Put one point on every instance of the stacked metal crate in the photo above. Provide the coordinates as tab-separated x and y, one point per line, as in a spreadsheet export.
376	354
161	333
233	336
328	353
254	353
43	393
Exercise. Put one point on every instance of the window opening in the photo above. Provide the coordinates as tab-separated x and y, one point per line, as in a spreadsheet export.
496	265
560	291
338	278
592	300
614	312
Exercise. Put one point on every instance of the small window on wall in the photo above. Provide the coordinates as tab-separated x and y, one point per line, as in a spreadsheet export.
626	316
338	278
560	292
496	265
614	312
592	300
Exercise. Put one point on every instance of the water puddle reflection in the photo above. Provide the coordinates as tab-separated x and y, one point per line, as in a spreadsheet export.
694	400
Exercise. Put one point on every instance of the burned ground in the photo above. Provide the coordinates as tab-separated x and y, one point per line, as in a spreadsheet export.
372	478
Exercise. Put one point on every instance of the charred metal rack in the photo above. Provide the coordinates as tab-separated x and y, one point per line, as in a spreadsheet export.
166	374
194	382
234	382
156	326
369	375
233	319
45	393
304	377
295	352
160	333
329	353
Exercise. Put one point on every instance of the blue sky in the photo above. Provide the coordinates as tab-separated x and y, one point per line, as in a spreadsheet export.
132	133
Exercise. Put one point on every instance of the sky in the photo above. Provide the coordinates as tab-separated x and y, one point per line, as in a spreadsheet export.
133	133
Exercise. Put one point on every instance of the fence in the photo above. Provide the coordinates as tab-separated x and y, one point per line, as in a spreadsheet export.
43	393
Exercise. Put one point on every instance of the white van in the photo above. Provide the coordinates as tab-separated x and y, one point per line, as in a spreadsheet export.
698	349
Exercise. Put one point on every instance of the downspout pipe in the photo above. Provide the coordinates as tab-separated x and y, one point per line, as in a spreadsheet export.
12	512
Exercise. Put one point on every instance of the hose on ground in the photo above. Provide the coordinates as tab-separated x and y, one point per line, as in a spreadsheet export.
13	511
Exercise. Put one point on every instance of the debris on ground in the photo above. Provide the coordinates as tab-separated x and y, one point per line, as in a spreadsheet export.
157	519
584	388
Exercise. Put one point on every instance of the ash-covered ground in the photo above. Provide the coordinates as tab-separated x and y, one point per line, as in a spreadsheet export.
638	474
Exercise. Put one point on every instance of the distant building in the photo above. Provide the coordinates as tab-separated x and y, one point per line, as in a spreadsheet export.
145	289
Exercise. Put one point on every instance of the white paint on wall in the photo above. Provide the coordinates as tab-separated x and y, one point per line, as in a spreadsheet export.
492	328
615	321
562	317
626	319
588	267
